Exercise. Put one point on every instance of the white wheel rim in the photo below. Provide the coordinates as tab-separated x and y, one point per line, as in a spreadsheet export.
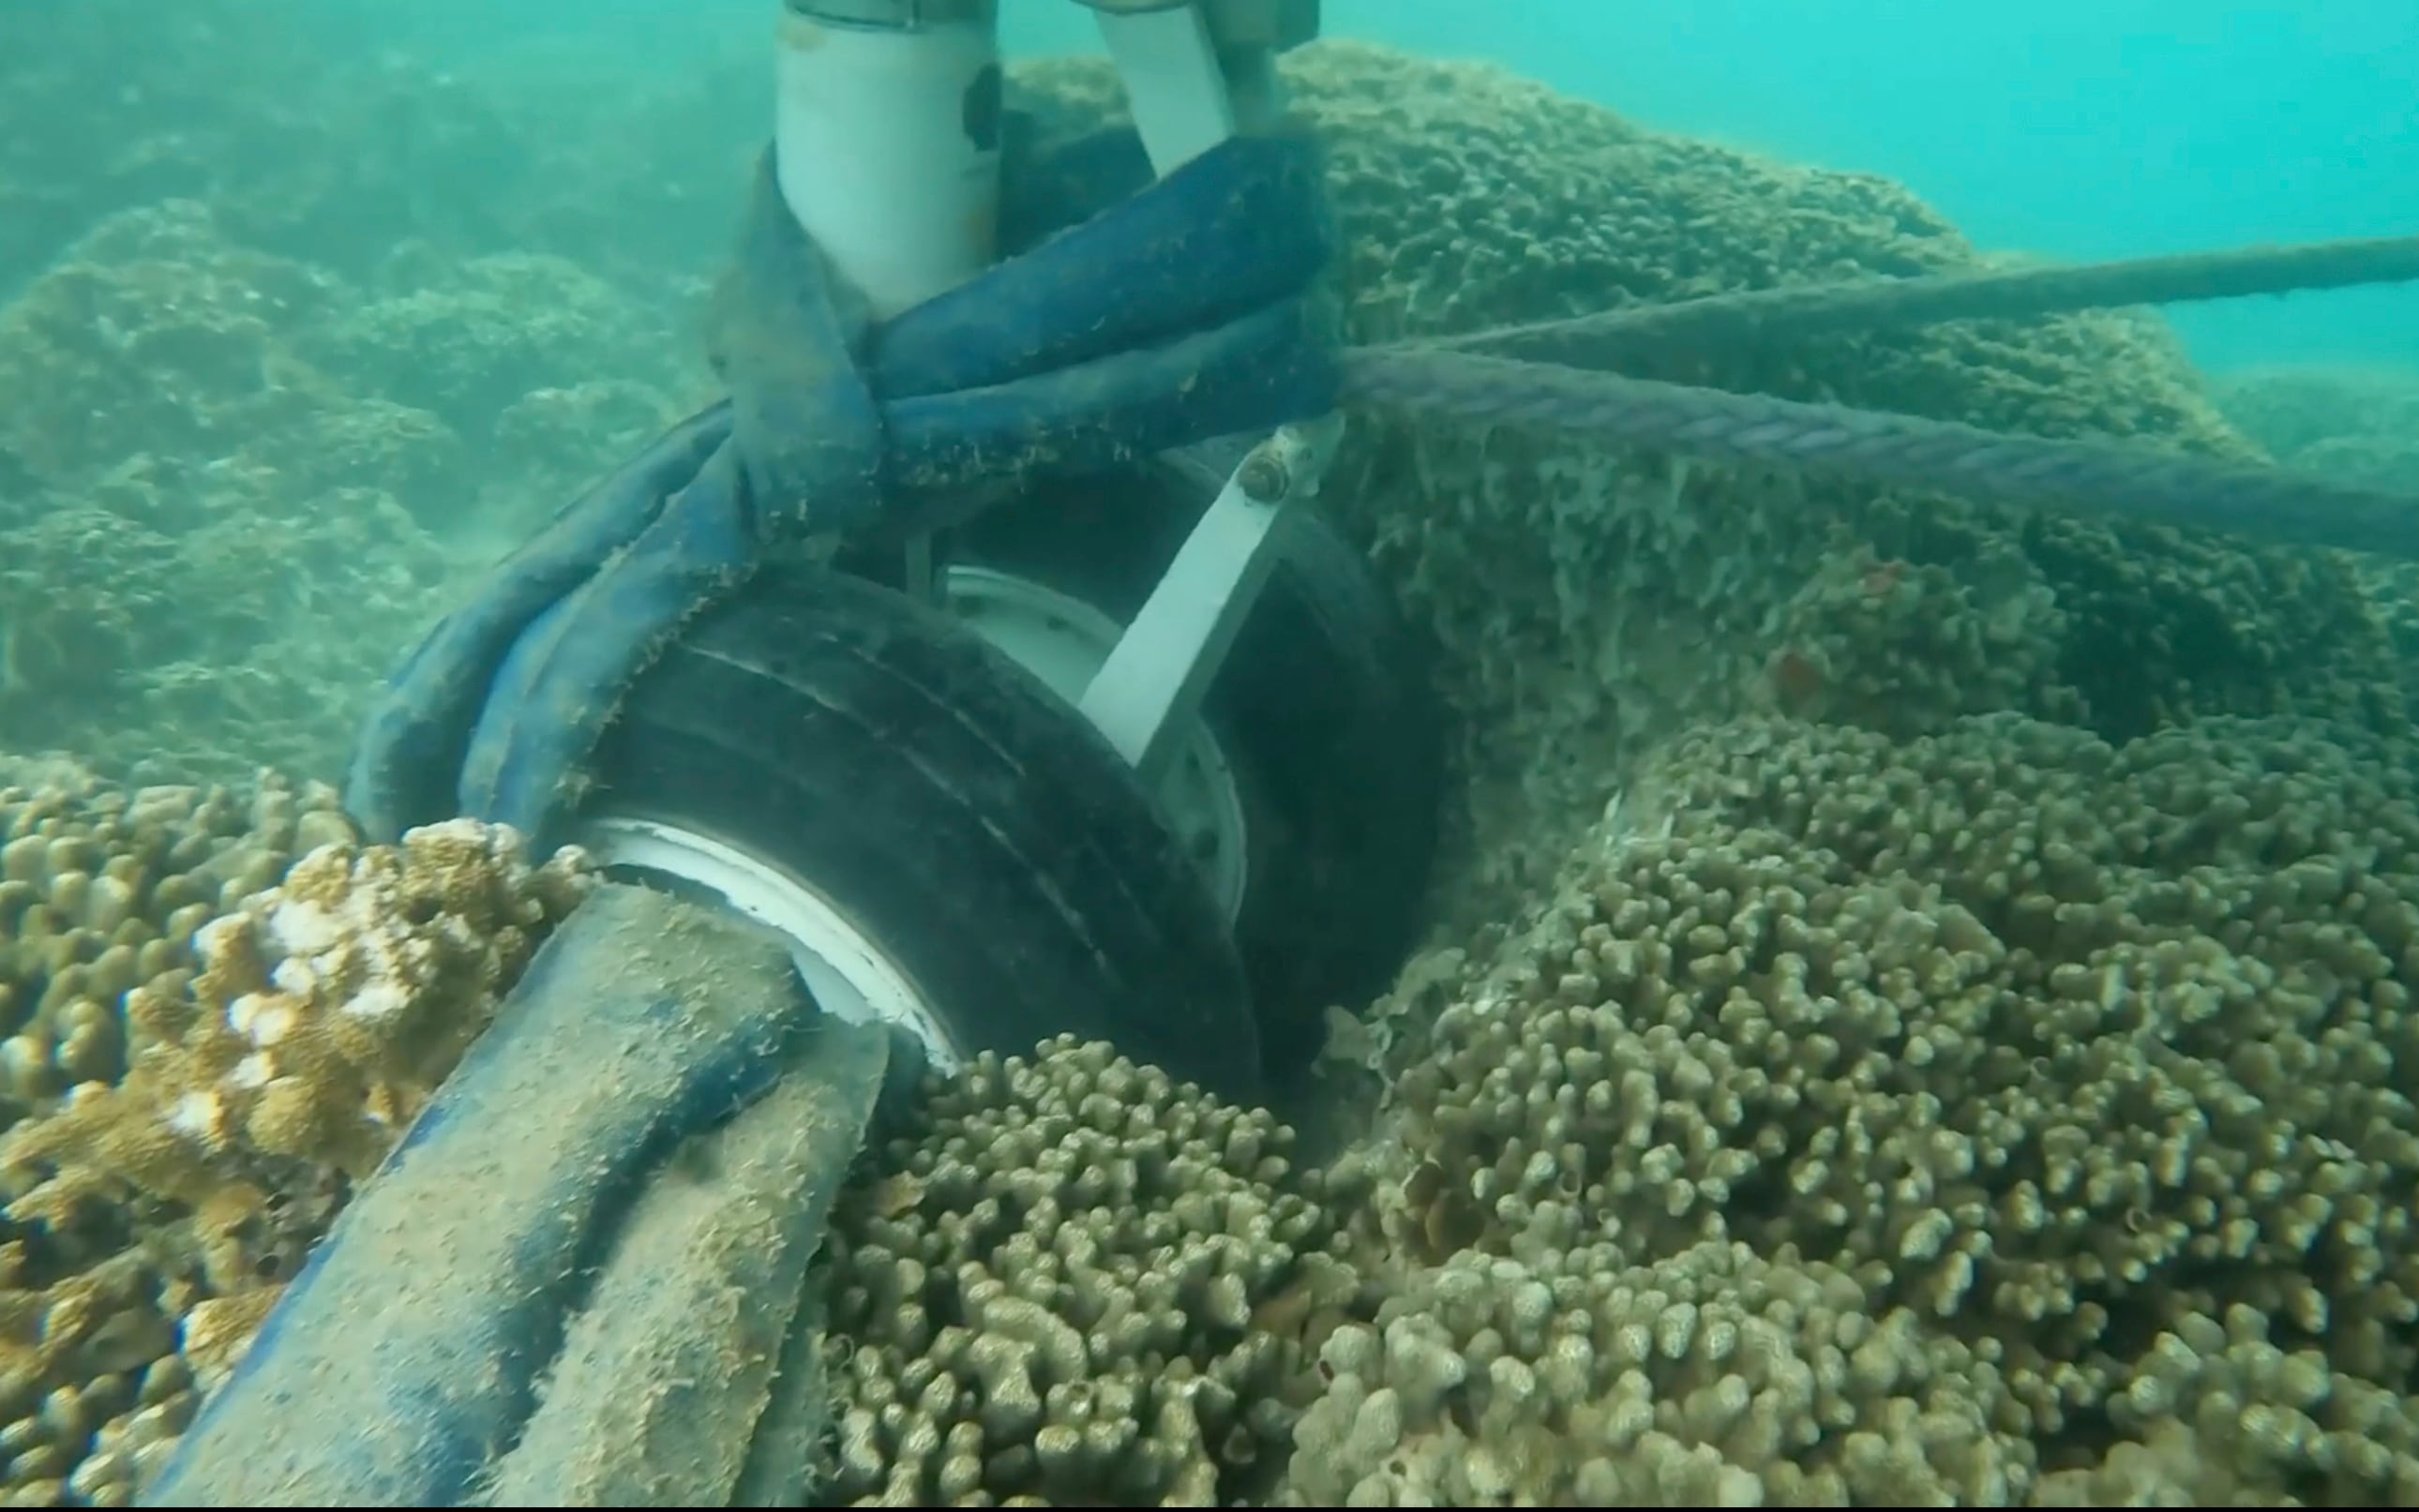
1065	642
849	973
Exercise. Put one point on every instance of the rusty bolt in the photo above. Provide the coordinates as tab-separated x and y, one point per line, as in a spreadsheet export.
1263	479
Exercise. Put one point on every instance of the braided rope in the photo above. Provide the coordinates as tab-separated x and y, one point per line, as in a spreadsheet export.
2128	482
1763	315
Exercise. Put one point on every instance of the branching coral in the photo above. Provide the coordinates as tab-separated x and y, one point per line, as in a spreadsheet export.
213	1039
2063	1063
324	1013
1050	1286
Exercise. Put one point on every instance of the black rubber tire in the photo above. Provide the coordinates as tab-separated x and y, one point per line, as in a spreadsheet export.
954	808
1323	708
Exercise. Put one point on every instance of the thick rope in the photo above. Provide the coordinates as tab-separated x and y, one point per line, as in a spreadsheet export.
2124	481
1736	320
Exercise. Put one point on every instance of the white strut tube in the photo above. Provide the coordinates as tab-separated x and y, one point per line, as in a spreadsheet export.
1181	104
1151	687
887	141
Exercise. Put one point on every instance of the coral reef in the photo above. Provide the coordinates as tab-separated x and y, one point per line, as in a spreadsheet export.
2360	424
1994	1117
1074	1282
1589	601
1922	1014
184	507
105	889
321	1014
318	139
170	126
1707	1377
210	1039
2062	1083
210	456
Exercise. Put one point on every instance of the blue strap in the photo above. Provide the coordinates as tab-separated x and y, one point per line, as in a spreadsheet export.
1175	315
405	1356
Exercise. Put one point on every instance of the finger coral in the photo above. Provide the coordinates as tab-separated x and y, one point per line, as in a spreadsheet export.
212	1039
2074	1073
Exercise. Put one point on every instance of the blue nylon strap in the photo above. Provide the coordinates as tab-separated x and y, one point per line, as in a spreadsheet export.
1239	229
405	1356
1174	315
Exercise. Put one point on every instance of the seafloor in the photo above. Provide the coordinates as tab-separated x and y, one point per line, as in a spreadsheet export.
1920	1009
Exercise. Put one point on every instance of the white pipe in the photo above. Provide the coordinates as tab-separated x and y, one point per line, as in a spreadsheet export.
1169	66
1152	686
888	150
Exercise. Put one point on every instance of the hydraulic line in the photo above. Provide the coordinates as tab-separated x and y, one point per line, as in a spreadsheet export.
2108	479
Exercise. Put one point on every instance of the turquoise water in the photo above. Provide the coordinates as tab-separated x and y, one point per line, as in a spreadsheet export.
2075	128
2072	128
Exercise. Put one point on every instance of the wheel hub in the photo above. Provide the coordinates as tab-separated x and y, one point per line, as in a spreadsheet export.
1065	642
850	975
